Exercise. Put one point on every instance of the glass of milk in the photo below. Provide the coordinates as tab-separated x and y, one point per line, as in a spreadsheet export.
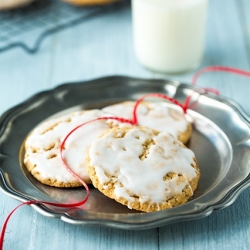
169	34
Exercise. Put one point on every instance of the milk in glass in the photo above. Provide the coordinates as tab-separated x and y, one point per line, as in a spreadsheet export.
169	34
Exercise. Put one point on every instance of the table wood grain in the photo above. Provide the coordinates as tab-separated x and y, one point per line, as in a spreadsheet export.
103	46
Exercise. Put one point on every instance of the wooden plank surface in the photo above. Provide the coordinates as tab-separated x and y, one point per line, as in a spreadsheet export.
104	46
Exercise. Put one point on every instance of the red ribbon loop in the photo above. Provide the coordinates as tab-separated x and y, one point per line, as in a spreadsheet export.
77	204
158	95
221	69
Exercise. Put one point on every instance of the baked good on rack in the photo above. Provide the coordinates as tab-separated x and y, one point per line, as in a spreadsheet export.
89	2
158	115
142	168
42	147
11	4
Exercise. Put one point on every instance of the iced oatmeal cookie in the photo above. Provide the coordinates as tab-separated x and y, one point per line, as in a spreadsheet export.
142	168
42	147
156	115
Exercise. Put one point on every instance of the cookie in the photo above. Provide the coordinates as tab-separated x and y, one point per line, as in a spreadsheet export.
142	168
42	147
12	4
157	115
89	2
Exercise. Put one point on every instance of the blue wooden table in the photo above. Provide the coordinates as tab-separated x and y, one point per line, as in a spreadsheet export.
103	46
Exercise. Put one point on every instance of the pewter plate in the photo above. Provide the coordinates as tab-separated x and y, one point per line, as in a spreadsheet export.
220	141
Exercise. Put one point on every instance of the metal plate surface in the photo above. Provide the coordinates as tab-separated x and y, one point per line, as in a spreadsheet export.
220	141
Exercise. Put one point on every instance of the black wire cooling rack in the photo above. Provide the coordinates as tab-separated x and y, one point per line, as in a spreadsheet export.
27	27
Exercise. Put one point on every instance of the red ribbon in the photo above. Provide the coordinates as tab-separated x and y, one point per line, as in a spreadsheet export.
221	69
213	69
77	204
158	95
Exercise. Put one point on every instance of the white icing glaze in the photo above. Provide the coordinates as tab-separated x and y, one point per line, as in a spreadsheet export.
155	115
76	145
119	157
